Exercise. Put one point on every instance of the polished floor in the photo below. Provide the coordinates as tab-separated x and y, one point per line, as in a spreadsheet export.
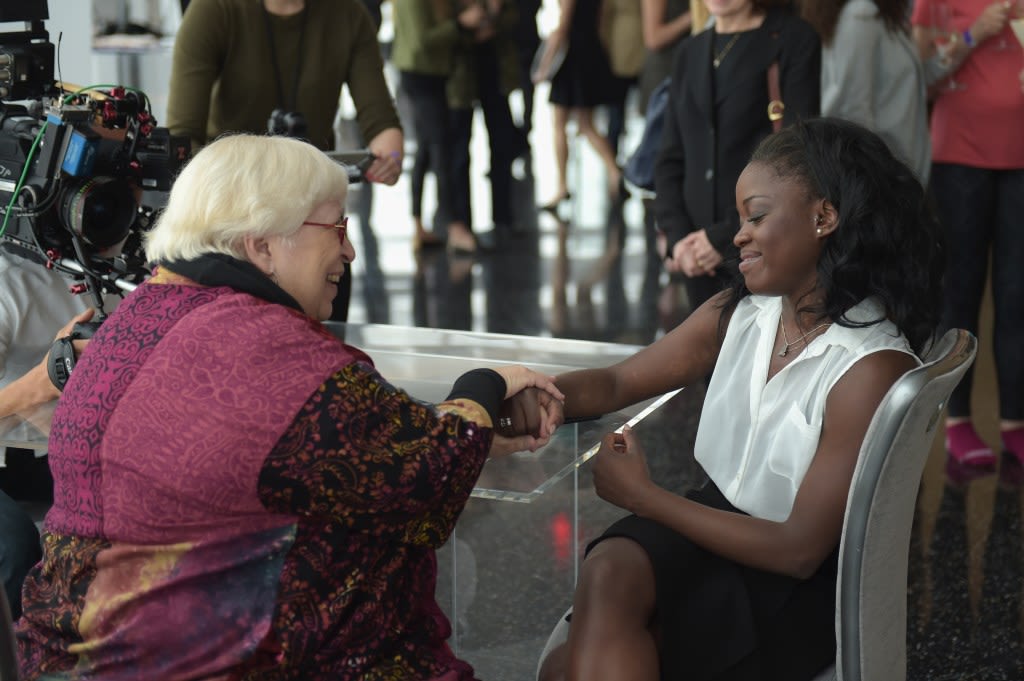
508	573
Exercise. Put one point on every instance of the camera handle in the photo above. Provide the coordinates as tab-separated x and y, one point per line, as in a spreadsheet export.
60	361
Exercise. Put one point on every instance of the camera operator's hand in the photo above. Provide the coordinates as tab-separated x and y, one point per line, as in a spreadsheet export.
34	387
387	147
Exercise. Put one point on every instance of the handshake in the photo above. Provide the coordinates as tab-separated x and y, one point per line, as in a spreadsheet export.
530	414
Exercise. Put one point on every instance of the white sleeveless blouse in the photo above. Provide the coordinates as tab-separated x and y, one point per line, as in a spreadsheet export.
756	439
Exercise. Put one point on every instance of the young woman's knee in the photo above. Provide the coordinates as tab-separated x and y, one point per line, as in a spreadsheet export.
618	569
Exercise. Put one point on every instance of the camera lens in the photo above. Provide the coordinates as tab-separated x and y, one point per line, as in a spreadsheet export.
99	210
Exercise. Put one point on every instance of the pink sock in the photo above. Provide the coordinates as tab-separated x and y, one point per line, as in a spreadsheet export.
965	445
1013	441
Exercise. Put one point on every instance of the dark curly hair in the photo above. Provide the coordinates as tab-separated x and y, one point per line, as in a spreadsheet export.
887	244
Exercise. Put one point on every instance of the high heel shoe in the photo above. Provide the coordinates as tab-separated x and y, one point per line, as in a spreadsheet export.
552	207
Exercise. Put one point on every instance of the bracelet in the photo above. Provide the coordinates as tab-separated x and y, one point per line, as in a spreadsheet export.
968	38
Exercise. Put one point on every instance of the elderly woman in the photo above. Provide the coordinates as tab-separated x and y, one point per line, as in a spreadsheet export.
239	494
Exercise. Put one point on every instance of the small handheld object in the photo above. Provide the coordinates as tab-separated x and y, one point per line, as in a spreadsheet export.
355	162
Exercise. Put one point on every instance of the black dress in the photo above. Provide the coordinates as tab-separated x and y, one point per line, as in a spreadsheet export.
722	621
585	78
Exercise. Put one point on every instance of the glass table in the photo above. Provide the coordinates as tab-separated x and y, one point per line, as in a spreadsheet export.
425	362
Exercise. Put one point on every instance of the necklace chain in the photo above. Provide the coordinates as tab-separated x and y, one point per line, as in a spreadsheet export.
728	46
785	350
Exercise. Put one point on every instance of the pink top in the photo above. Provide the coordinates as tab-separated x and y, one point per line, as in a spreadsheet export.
982	124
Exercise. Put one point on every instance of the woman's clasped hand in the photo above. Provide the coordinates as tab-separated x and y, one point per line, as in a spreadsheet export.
533	417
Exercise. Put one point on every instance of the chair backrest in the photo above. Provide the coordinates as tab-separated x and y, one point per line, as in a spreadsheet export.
871	593
8	650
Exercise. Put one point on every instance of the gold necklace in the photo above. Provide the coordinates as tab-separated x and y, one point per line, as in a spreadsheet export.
785	350
725	50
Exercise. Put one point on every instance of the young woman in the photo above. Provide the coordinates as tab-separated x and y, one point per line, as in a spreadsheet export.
840	262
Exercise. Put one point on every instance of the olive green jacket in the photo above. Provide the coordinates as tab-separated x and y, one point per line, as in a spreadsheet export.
424	41
462	89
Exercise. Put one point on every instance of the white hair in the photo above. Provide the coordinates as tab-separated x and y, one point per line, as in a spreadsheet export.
243	185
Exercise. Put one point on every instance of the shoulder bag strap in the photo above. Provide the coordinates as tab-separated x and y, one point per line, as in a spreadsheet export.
776	108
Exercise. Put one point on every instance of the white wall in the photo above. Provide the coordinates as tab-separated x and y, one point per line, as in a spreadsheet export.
72	17
73	23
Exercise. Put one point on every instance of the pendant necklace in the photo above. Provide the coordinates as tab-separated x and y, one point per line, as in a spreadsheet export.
785	349
725	50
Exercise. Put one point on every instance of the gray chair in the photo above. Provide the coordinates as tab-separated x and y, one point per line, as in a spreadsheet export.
871	592
8	649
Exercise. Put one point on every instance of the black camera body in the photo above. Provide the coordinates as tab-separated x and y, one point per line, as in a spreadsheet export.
82	175
287	124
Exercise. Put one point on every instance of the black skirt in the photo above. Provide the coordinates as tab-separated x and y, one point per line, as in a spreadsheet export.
585	78
721	621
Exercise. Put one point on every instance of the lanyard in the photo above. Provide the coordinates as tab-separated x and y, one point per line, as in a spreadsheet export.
287	106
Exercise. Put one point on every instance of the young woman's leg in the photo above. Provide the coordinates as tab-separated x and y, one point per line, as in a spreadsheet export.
610	635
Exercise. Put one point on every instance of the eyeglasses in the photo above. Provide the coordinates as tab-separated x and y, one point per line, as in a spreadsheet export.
341	225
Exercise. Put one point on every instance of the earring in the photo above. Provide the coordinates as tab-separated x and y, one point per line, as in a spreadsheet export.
818	231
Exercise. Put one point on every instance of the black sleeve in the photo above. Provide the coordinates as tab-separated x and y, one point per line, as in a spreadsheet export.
486	387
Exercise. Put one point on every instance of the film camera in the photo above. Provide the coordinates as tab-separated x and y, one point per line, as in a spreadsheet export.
83	172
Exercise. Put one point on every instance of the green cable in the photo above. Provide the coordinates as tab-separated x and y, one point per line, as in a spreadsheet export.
35	144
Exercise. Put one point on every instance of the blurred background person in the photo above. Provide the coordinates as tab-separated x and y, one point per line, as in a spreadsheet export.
583	82
716	117
622	35
426	34
665	24
871	73
236	62
273	512
977	182
484	73
36	303
527	44
348	137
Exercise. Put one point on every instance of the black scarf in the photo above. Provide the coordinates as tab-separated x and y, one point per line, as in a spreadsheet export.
218	269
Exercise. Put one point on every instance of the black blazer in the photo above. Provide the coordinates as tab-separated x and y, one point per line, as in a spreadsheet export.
707	142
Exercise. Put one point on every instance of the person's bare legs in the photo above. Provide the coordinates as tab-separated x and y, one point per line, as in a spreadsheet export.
585	122
610	633
561	142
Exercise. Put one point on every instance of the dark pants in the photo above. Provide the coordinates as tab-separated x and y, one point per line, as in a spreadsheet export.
433	137
504	138
19	548
981	211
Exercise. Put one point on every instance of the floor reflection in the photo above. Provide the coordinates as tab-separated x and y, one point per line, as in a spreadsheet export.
965	622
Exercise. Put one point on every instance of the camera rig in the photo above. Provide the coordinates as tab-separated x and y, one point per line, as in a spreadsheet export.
83	171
